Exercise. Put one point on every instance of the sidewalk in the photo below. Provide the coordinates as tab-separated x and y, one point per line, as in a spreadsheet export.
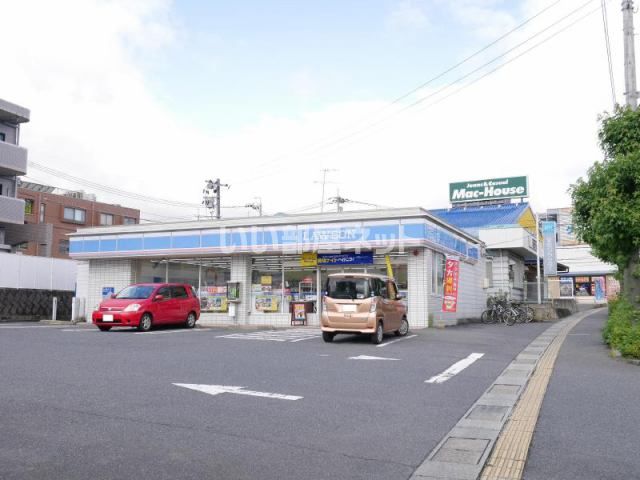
589	425
492	440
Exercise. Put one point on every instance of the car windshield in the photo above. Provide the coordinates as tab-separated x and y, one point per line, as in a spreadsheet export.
135	291
348	288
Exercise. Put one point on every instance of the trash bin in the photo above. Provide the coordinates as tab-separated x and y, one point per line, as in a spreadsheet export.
299	311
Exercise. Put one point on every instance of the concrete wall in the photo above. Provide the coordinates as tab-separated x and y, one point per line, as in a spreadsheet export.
10	133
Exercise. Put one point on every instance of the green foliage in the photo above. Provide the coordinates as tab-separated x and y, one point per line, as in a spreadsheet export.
620	132
607	204
622	330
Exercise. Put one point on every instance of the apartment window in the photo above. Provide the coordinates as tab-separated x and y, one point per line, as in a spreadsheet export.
437	273
43	209
106	219
74	214
63	247
28	206
129	221
3	137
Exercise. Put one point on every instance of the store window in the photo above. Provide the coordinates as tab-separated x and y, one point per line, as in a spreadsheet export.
437	273
74	215
28	206
267	286
106	219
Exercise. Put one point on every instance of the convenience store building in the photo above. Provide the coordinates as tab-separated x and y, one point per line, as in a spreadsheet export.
282	258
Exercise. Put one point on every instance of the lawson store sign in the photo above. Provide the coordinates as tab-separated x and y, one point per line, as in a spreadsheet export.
286	238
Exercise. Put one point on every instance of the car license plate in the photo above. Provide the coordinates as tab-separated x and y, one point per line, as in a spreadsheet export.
349	308
107	318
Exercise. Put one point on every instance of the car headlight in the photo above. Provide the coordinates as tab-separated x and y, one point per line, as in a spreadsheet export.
132	308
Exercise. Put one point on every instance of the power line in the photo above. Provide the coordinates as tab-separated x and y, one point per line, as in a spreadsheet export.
386	119
108	189
422	85
605	22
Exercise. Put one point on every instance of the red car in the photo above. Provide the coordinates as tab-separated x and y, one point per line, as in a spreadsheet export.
146	304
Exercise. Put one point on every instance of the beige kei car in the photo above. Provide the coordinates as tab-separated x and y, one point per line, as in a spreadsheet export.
362	303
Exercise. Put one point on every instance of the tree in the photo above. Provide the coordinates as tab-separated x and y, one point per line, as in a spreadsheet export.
607	204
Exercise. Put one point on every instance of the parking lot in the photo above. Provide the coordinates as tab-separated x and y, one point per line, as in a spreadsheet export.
77	403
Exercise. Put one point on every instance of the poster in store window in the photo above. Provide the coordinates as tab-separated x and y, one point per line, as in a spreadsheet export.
450	294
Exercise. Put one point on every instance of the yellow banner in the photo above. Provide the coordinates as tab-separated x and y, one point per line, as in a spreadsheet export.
387	259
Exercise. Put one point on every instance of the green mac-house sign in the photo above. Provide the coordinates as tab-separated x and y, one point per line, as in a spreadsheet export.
490	189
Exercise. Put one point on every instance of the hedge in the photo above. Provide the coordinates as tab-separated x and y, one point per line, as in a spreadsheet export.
622	331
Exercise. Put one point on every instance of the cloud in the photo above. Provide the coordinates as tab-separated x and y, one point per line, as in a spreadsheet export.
76	65
408	15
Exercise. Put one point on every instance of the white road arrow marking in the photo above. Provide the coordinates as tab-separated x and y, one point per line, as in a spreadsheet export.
218	389
394	341
455	368
367	357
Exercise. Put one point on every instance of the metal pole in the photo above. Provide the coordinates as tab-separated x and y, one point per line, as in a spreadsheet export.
218	198
324	178
538	258
631	93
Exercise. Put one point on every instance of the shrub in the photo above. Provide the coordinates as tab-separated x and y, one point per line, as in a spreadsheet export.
622	331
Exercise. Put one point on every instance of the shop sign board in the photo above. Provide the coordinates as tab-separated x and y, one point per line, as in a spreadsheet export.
451	277
331	259
107	292
489	189
299	312
566	287
550	256
309	259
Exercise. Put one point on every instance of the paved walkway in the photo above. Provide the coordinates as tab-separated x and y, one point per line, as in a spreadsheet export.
589	426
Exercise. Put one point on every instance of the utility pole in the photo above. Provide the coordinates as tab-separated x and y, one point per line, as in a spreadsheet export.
323	182
212	196
631	93
257	206
339	201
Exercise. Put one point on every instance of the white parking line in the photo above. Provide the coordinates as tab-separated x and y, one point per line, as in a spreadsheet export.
12	327
455	368
394	341
165	332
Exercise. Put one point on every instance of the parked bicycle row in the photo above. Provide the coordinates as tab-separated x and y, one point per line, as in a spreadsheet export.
500	309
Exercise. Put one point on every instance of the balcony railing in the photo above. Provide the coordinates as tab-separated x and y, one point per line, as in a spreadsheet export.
11	210
13	159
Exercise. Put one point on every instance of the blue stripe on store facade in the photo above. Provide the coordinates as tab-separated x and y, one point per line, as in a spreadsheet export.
304	237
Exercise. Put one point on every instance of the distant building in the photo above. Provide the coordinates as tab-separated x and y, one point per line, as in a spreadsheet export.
51	213
585	270
13	162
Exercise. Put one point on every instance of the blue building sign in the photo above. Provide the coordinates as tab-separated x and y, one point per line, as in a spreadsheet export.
327	259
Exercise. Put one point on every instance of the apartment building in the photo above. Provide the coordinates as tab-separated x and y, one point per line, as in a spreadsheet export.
13	162
51	213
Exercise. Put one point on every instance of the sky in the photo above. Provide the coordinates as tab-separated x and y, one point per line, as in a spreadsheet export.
155	97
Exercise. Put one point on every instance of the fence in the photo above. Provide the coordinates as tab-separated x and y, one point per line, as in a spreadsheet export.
37	273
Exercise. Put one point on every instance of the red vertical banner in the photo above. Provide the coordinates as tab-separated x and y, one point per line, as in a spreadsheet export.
450	294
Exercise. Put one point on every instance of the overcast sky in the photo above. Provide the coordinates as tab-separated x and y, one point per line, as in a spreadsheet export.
154	97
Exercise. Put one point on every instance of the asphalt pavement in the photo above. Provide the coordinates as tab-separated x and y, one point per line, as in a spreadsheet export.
76	403
588	426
